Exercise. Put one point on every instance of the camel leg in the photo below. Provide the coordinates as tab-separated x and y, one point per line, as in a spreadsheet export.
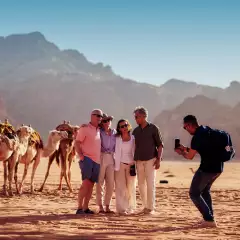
65	173
61	171
70	160
12	162
35	165
5	192
23	178
16	177
50	161
64	160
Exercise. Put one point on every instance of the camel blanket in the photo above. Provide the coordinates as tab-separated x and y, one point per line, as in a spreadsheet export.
7	130
35	138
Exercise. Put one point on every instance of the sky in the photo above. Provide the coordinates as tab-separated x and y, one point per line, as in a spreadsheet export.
145	40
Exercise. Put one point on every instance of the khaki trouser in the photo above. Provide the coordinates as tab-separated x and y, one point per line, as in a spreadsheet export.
125	189
146	175
106	176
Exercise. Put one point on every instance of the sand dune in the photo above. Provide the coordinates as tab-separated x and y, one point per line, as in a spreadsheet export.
51	214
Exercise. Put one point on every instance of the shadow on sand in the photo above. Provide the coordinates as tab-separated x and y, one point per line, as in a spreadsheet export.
127	231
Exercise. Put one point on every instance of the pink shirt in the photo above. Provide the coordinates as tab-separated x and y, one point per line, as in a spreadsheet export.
90	142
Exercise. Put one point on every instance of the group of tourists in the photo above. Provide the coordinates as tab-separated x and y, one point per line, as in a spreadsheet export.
118	157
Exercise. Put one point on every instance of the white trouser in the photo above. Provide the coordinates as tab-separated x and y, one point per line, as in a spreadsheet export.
146	175
106	176
125	189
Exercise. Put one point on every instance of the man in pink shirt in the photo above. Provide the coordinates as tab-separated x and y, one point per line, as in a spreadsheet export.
88	147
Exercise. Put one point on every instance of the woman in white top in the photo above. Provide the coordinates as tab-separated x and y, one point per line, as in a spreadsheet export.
125	175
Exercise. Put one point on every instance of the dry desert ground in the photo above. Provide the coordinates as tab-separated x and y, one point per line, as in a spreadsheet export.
51	214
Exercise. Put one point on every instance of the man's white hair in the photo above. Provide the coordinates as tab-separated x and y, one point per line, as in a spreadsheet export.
97	110
141	110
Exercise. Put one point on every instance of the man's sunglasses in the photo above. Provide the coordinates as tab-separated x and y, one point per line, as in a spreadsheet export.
123	126
105	121
98	115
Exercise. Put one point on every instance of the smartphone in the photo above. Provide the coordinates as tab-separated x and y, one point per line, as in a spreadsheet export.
177	143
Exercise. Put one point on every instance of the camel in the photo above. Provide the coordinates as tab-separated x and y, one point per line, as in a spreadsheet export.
12	145
8	155
63	155
35	151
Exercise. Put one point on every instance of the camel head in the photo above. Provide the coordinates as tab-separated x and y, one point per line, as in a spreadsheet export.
75	130
58	135
25	131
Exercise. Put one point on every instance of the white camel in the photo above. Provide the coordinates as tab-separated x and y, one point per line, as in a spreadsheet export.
10	150
34	152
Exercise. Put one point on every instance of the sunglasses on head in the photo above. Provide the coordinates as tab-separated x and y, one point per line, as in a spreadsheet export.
107	120
98	115
123	126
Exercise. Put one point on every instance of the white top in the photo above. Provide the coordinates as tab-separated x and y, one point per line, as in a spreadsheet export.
122	148
126	152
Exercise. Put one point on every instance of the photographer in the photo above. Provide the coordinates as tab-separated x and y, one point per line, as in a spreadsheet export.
208	171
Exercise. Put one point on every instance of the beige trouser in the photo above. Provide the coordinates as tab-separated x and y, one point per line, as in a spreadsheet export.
106	176
146	175
125	189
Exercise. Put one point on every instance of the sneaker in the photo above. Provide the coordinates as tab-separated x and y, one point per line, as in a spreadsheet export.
79	211
207	224
88	211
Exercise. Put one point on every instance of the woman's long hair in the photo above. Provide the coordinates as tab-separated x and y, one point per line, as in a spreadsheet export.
118	127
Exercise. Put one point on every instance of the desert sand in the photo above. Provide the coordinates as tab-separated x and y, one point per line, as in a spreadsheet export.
51	214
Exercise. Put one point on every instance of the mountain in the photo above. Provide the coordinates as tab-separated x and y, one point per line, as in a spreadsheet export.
174	91
208	111
43	85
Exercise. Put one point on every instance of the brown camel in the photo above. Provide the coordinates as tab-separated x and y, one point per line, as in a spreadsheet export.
64	155
12	145
34	152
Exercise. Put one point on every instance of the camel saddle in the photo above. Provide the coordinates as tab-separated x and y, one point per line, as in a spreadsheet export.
66	127
7	130
35	138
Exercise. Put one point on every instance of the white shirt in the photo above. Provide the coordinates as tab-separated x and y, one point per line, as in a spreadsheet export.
123	150
126	152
